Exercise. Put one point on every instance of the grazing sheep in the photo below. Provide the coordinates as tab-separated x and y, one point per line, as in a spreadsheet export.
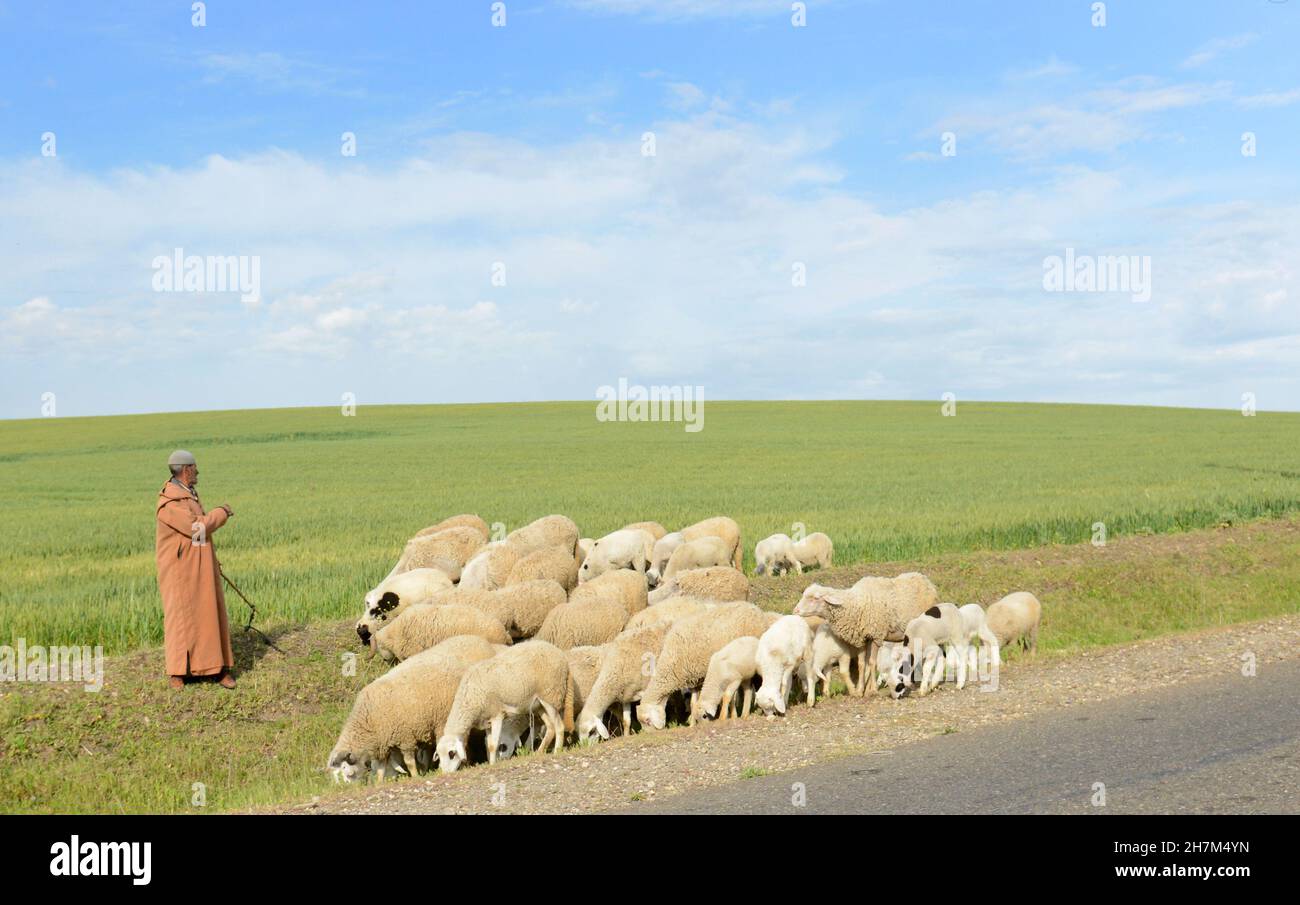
554	563
975	624
394	594
656	530
925	638
625	549
396	715
521	608
548	531
891	655
663	549
1015	618
873	610
684	660
782	649
718	526
667	611
519	679
710	583
459	521
729	670
774	555
623	585
625	671
423	625
697	554
814	550
583	622
490	567
829	653
449	550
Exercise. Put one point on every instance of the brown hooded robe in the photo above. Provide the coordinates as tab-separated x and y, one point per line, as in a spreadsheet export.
195	627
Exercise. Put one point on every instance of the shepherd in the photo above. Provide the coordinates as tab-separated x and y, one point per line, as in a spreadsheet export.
196	631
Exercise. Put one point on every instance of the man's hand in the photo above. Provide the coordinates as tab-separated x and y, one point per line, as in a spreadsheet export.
229	512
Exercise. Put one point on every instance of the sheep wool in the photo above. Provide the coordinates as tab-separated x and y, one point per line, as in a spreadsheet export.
449	550
690	643
1016	618
656	530
667	611
583	622
548	531
625	670
815	550
730	668
422	626
552	563
718	526
711	583
623	585
874	609
697	554
490	567
468	520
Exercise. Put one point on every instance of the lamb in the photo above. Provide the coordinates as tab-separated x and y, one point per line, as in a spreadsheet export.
625	671
584	666
625	549
459	521
521	608
718	526
975	625
422	625
814	550
690	643
783	648
548	531
668	611
891	655
624	585
450	550
873	610
392	595
554	563
397	714
829	652
925	638
1015	618
490	567
774	555
697	554
710	583
663	549
729	670
517	680
583	622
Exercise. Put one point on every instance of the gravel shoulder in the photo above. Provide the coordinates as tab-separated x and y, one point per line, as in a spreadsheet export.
648	767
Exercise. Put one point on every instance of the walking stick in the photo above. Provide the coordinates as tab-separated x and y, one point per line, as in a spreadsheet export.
252	614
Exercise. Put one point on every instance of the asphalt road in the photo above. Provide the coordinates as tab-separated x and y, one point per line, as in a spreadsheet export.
1217	746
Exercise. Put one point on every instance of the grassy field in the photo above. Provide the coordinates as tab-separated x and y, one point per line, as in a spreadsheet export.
137	746
323	502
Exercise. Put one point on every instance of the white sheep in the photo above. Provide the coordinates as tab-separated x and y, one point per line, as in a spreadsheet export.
697	554
548	531
521	608
520	679
624	585
490	567
423	625
684	659
467	520
624	549
774	555
449	550
729	670
625	670
584	666
782	649
829	653
718	526
711	583
663	549
1015	618
975	624
926	637
392	595
891	657
398	714
583	623
814	550
552	563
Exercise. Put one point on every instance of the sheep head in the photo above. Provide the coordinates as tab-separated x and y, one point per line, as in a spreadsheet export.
451	753
651	716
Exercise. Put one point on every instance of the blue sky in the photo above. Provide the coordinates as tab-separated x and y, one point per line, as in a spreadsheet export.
776	148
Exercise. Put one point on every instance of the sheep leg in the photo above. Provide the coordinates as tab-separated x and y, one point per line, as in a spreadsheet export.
627	718
861	687
694	708
554	725
408	759
873	652
810	683
963	655
494	736
728	701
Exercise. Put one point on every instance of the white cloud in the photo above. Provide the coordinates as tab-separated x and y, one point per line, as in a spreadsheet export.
686	10
1213	49
1271	99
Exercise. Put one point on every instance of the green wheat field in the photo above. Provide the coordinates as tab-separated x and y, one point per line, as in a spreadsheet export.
323	502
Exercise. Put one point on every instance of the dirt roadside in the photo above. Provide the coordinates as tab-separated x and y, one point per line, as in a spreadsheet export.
649	766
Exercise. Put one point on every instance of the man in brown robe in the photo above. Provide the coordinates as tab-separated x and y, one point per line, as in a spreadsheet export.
196	631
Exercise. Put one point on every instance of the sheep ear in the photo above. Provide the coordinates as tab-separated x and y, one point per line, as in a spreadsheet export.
387	602
831	600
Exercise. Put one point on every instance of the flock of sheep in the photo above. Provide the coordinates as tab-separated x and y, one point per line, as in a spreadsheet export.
544	629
